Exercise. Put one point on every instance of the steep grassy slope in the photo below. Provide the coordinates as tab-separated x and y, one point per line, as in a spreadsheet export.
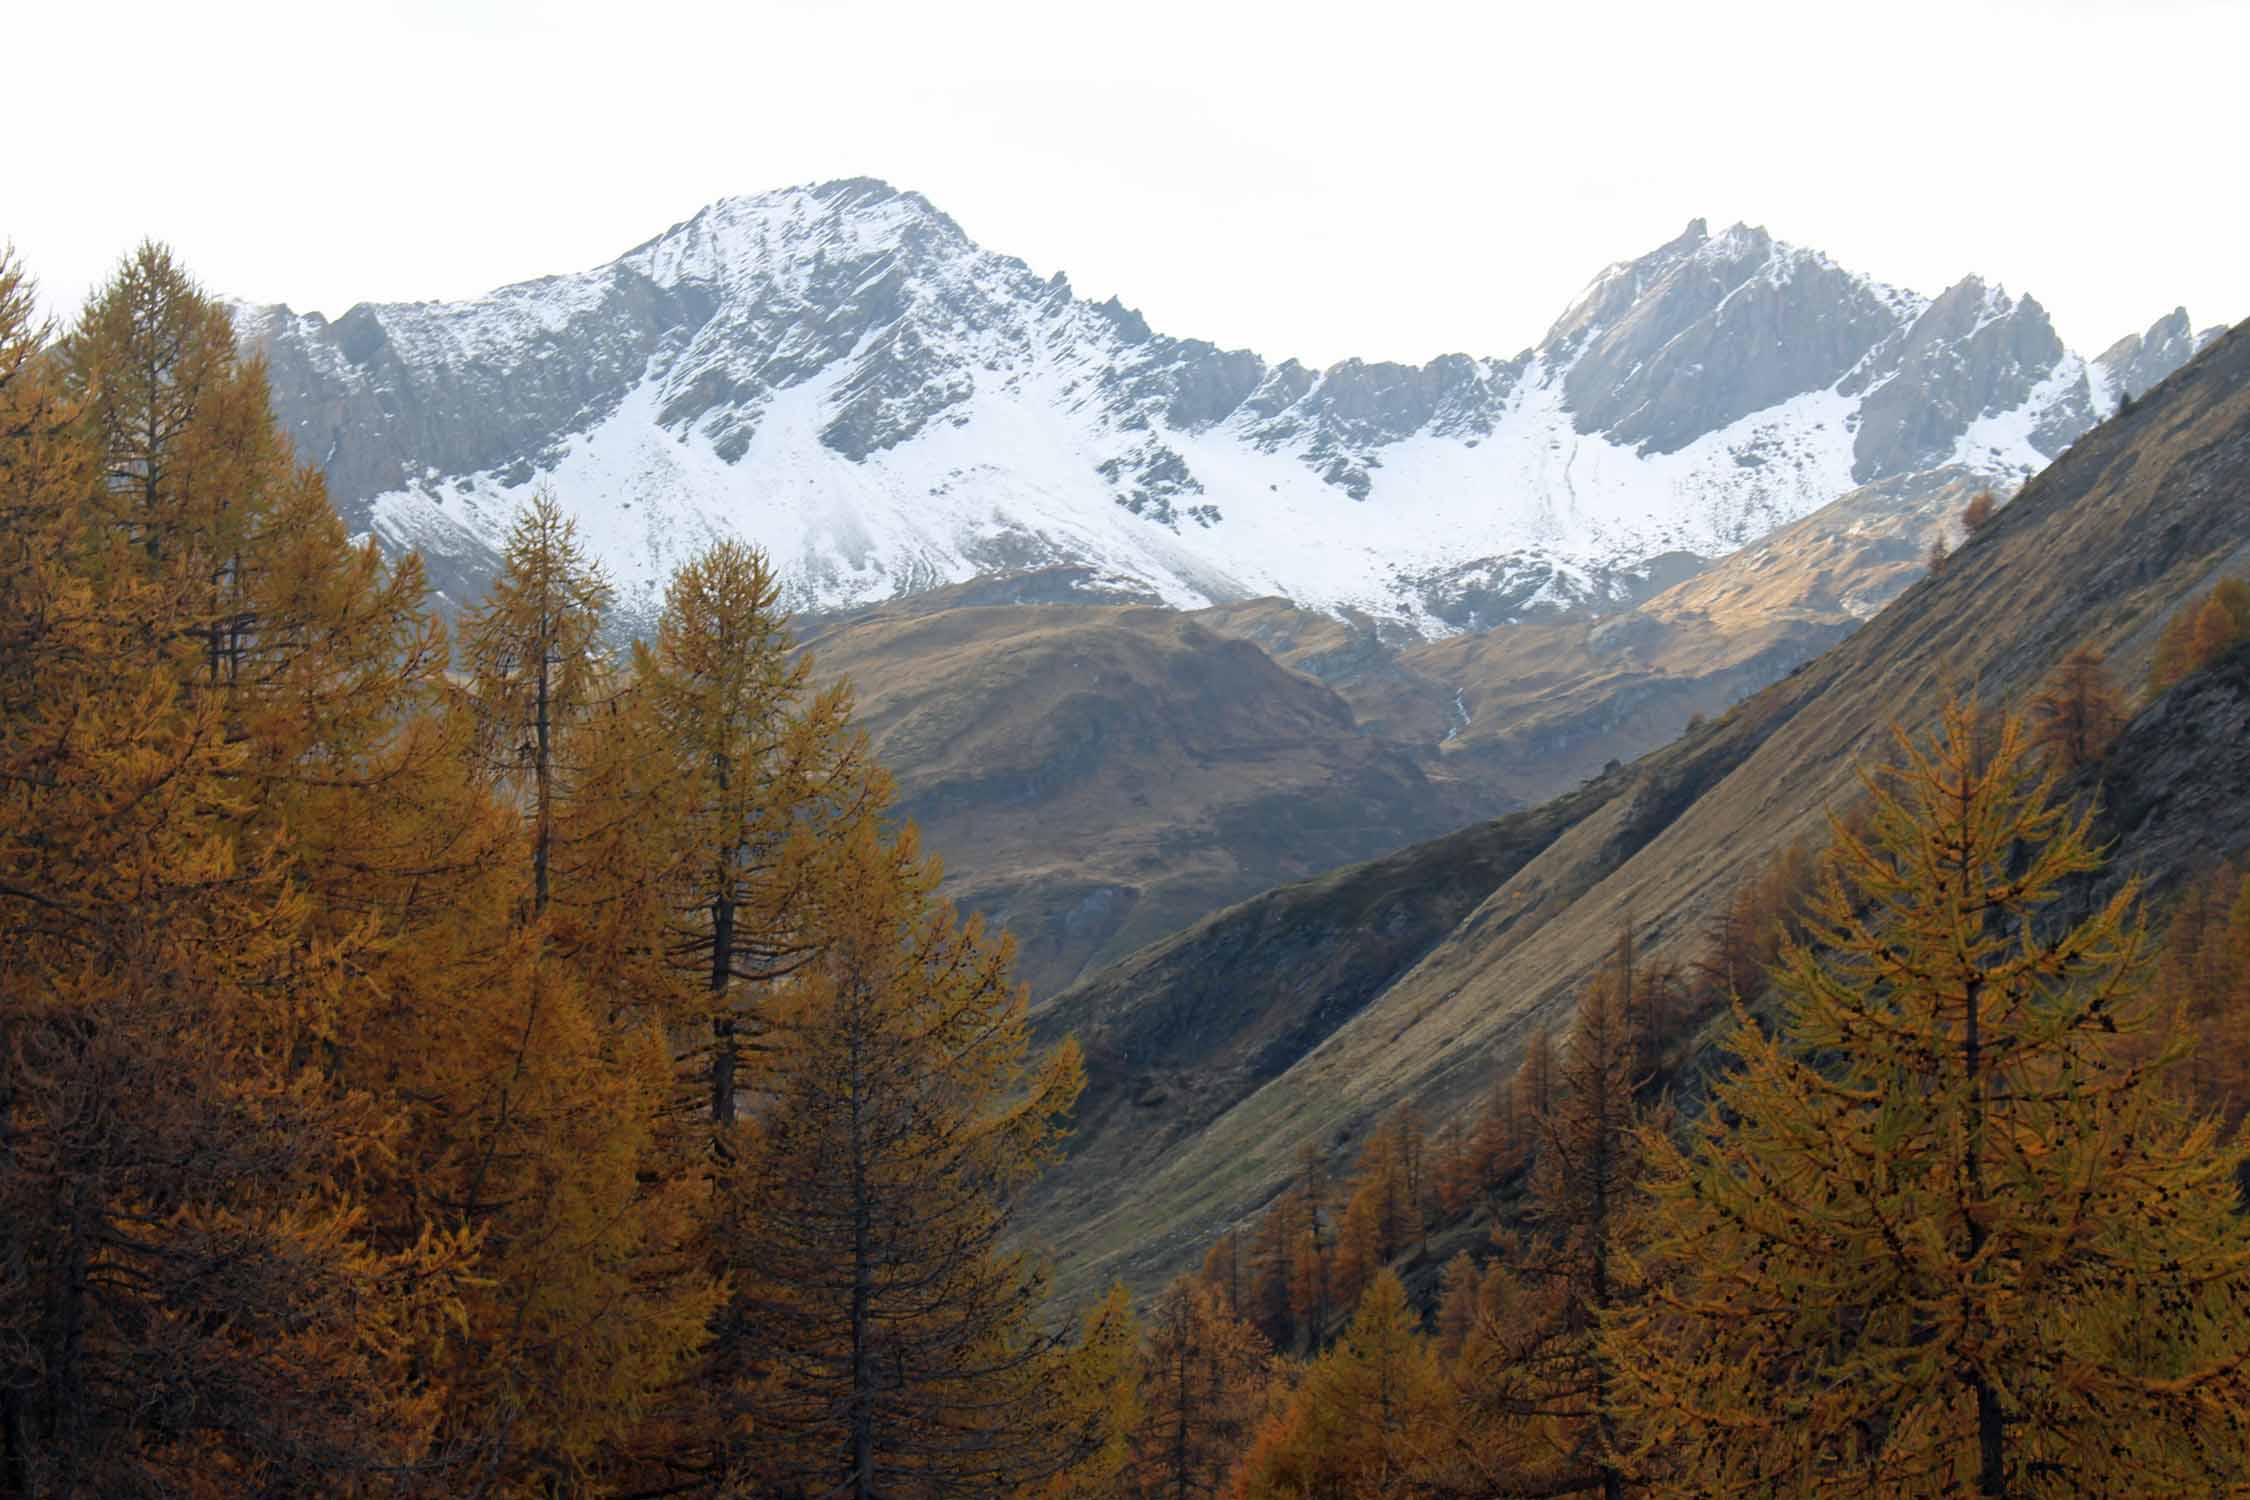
2175	790
2101	547
1174	1037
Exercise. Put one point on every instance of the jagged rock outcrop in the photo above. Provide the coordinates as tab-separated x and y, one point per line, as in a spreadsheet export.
2136	362
1704	331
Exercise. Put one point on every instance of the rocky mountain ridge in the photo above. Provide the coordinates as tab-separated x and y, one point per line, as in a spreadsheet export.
840	374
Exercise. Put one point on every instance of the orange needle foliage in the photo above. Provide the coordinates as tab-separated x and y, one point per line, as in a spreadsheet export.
423	1084
1943	1234
883	1324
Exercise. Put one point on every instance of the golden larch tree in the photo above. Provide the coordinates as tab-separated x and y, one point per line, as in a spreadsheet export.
885	1331
1202	1374
1978	513
1364	1416
1226	1271
767	781
2077	711
1944	1233
534	649
2200	632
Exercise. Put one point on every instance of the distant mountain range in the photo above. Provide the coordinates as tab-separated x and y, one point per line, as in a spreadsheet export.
839	374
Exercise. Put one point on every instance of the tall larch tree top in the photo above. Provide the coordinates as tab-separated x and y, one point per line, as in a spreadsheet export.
534	655
769	777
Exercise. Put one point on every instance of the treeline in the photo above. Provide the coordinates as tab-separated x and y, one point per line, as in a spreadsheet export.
466	1062
1961	1215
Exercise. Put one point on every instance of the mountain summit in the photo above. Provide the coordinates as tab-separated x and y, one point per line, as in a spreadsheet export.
838	373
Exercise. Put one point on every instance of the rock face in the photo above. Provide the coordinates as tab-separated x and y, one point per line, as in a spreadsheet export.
2137	362
1704	331
839	374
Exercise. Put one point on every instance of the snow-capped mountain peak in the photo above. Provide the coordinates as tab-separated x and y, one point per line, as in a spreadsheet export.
840	374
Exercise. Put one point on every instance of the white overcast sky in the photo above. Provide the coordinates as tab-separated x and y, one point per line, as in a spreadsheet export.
1387	178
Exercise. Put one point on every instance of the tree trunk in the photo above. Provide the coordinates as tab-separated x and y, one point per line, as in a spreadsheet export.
724	1047
863	1296
1180	1424
723	1054
1992	1458
543	828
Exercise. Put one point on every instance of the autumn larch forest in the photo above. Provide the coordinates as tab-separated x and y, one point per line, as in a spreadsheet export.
464	1056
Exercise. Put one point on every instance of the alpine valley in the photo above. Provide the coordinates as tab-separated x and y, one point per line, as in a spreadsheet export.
1270	640
815	864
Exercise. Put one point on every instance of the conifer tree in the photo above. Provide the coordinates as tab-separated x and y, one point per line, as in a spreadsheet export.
1096	1406
2200	632
1360	1250
2076	712
1408	1204
884	1332
533	649
1388	1209
2223	621
1226	1272
1270	1261
1305	1211
767	780
1978	514
1202	1372
1944	1234
1457	1305
1365	1415
1535	1077
1453	1169
2202	979
180	429
1502	1140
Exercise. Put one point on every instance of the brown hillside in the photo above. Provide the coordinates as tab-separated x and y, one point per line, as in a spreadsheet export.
2101	547
1099	776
